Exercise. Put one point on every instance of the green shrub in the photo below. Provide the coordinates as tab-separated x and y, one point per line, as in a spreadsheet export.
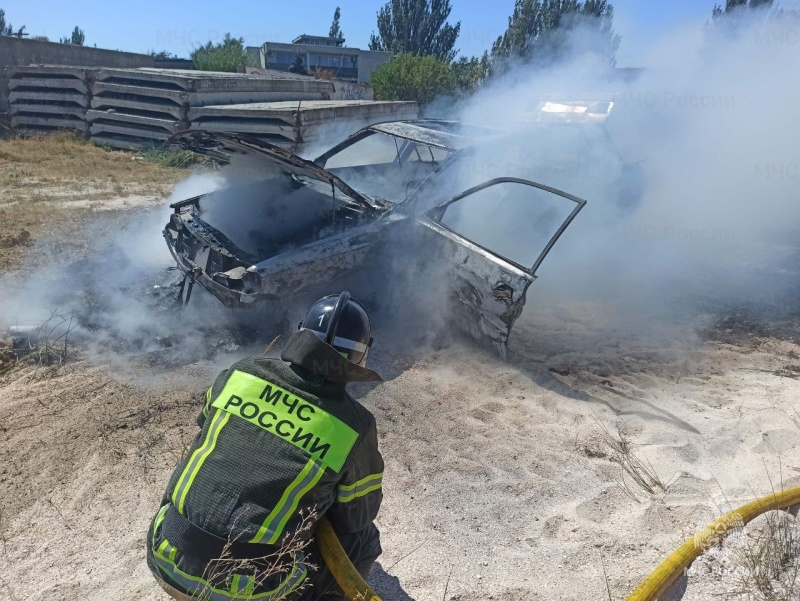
413	77
228	56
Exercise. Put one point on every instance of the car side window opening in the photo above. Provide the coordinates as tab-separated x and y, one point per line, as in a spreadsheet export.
426	154
384	166
513	220
374	149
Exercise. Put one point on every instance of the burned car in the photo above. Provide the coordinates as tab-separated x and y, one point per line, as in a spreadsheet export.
305	224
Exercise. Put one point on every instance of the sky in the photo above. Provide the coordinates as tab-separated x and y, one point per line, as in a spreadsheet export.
146	25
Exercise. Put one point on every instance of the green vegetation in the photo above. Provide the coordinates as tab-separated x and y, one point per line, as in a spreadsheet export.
542	32
299	65
76	38
336	31
416	27
733	6
228	56
470	73
162	55
413	77
8	29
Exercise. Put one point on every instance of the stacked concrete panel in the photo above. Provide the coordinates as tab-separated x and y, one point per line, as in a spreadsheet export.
3	91
139	108
300	125
44	99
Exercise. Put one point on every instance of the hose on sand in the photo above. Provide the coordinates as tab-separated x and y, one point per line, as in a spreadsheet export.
674	566
356	589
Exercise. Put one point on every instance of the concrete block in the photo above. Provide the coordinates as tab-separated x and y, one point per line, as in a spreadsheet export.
24	123
286	134
164	109
143	94
168	125
66	97
99	127
211	81
124	142
48	84
47	109
47	71
310	112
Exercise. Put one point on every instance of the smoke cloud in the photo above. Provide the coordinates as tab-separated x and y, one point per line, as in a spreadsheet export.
710	126
117	296
692	205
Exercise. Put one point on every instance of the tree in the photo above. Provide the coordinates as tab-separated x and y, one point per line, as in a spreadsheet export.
470	73
734	6
335	30
728	20
77	38
40	38
228	56
412	77
8	29
299	65
416	27
547	31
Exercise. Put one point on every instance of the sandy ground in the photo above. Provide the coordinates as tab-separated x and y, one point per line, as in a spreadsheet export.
500	479
499	484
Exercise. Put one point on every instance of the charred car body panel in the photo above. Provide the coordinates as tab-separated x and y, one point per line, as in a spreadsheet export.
308	224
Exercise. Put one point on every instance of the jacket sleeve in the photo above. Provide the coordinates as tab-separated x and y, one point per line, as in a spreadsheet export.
212	394
359	492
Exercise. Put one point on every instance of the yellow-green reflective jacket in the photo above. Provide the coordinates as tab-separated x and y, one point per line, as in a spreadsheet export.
275	445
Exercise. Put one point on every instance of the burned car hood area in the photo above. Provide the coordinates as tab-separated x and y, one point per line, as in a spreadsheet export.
290	203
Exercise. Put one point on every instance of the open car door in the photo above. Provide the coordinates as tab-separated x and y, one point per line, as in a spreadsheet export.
492	239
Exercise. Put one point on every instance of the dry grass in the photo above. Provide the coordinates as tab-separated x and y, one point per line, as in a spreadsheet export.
43	346
769	561
220	572
47	167
50	184
635	472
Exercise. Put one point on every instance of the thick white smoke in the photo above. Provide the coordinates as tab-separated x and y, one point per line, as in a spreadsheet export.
115	294
713	122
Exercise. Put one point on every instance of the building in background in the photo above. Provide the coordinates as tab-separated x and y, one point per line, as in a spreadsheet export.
320	53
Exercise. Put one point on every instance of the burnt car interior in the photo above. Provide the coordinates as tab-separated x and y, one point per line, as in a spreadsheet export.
292	203
384	166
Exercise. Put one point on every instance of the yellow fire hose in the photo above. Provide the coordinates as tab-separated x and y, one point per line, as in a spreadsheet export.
340	566
653	586
673	566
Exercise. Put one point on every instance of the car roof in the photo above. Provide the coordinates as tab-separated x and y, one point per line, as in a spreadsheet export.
451	135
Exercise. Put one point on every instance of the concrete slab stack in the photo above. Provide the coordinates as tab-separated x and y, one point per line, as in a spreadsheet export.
298	126
43	99
139	108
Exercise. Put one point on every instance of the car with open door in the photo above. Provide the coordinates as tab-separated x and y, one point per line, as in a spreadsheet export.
301	227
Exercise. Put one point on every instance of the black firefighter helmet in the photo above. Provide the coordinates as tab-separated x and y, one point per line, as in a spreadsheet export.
341	322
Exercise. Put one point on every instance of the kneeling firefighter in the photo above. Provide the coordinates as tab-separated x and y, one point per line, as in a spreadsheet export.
281	444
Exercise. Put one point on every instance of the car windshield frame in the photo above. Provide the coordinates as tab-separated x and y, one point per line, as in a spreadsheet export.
406	146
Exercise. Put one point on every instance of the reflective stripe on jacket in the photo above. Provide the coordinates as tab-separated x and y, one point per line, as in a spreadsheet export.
276	445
